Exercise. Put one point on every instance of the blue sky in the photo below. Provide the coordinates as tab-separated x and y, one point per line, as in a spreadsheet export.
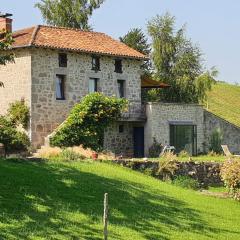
213	24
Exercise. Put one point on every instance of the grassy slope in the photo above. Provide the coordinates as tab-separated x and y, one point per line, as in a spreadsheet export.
64	201
224	101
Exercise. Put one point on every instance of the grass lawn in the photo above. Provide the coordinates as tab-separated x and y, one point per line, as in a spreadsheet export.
51	200
224	101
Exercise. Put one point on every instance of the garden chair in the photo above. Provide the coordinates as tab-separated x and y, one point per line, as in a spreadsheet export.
227	151
166	149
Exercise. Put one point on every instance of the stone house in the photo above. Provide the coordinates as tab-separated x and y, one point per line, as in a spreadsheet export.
55	67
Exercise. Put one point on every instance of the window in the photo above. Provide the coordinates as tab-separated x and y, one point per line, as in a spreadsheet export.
121	88
95	63
118	66
93	85
184	137
60	85
121	128
62	59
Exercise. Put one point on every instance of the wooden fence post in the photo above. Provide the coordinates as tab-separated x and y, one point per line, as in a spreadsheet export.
105	217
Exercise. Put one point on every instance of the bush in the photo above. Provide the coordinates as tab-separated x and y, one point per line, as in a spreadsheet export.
55	152
19	114
48	152
216	141
183	154
186	182
148	172
88	120
213	154
13	140
230	174
70	155
155	149
167	167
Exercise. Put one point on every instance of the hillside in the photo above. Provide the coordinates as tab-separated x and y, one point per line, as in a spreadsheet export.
224	101
64	201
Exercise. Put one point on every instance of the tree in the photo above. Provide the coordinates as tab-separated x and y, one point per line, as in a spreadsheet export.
178	62
5	46
68	13
88	120
137	40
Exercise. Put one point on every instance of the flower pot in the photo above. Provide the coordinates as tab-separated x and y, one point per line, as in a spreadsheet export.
94	156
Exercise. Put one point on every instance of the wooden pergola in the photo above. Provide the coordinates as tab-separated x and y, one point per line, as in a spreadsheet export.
147	83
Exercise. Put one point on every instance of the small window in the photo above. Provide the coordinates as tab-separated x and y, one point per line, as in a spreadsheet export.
96	63
93	85
121	88
118	66
121	128
62	59
60	86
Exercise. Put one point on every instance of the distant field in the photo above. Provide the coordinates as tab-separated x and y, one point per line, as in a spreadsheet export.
224	101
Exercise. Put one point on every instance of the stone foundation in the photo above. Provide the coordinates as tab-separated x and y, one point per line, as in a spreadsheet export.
206	173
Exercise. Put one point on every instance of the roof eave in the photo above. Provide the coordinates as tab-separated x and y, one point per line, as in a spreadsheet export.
81	51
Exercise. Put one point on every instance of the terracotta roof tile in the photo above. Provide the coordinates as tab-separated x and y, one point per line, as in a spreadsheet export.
73	40
23	37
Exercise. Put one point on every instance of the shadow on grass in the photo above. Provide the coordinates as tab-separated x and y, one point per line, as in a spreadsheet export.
53	202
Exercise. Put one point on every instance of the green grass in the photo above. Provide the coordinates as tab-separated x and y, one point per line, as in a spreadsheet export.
51	200
224	101
218	189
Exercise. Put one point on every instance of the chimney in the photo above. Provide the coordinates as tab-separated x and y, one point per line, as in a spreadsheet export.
5	22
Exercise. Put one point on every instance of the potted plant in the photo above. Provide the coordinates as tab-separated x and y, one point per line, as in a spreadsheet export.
94	155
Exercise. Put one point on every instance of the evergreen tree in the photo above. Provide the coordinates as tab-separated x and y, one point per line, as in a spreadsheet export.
68	13
137	40
178	62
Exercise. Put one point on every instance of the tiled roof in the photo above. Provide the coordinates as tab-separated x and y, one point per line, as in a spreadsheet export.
73	40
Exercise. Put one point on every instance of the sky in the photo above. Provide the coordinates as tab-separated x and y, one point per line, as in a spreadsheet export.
214	25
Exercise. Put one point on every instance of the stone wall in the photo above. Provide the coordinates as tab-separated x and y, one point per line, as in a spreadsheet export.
159	115
17	80
47	112
231	133
206	173
119	143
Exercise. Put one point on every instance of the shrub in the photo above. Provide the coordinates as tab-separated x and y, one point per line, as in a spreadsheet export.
48	152
70	155
230	174
183	154
148	172
19	114
88	120
186	182
167	167
155	149
212	154
13	140
216	141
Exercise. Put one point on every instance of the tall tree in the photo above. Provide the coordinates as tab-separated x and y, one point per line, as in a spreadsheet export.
178	62
137	40
68	13
6	56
